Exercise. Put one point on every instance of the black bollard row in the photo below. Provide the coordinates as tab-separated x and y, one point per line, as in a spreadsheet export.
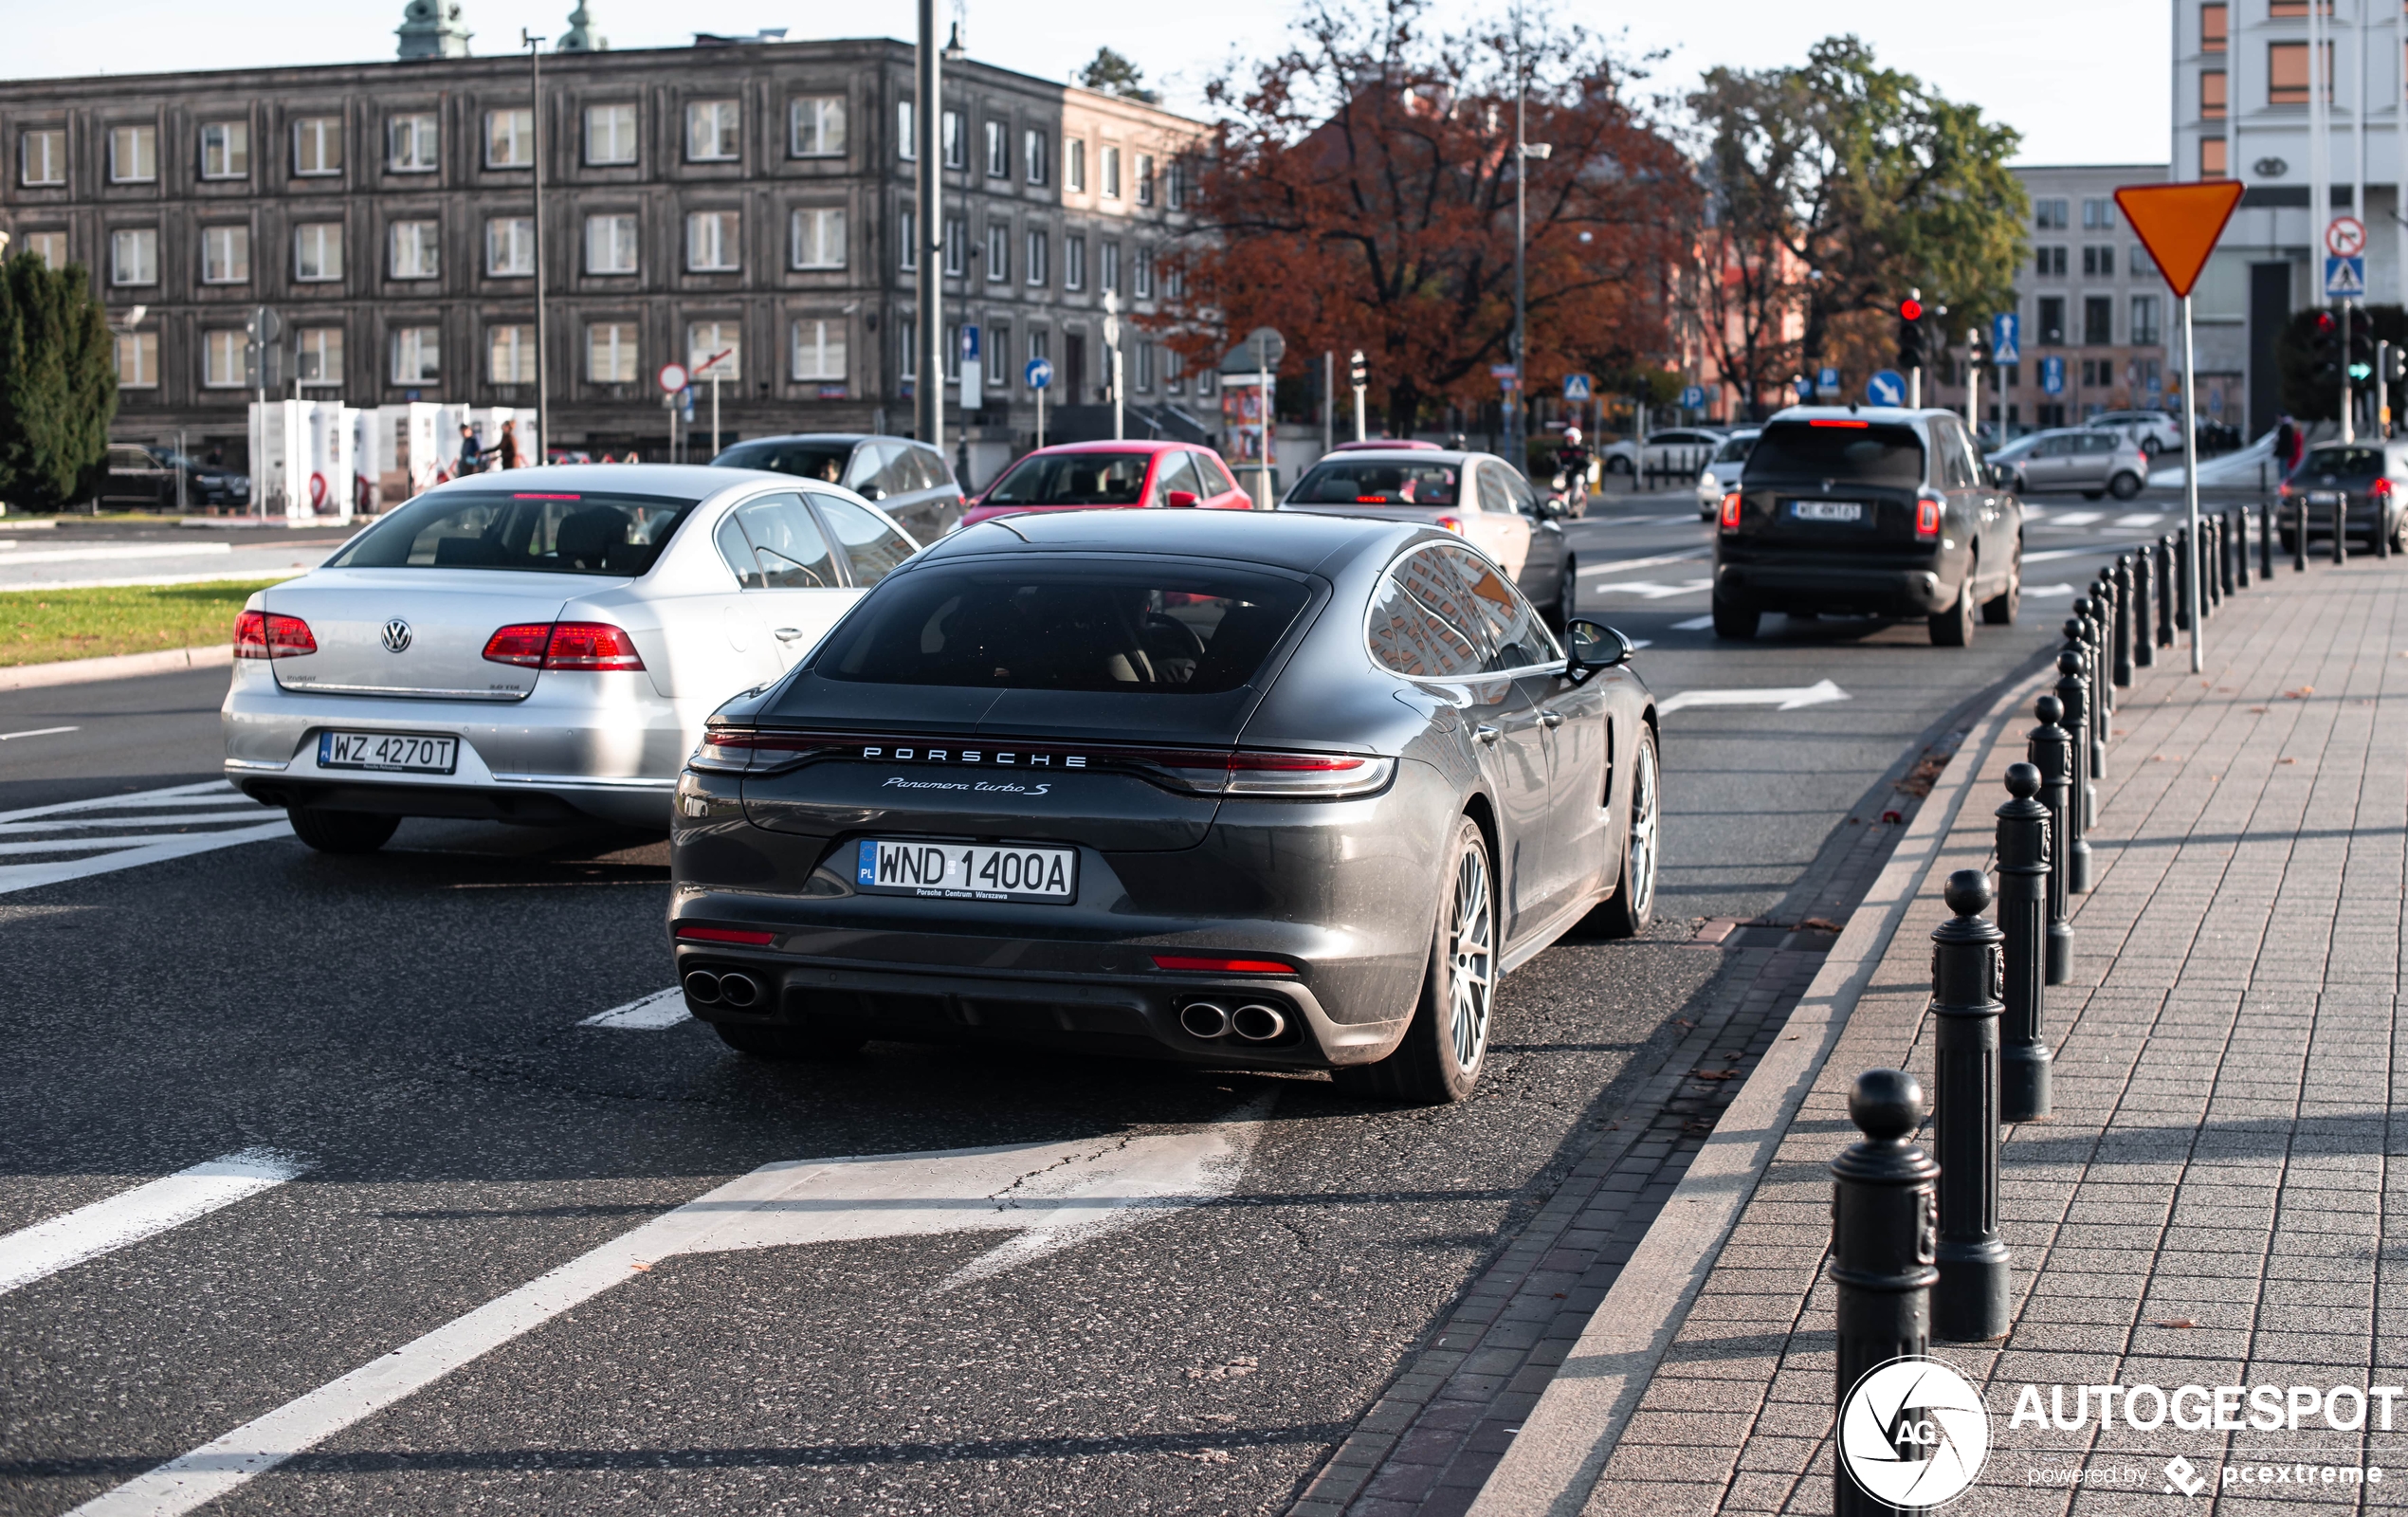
1970	1304
2082	803
2266	540
2224	554
2052	756
2341	527
1884	1242
2165	590
2144	633
2238	516
2299	534
2025	889
2182	579
2124	639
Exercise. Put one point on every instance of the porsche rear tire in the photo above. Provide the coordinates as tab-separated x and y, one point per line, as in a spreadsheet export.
1440	1056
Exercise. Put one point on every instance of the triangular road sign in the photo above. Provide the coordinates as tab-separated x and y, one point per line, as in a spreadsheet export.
2179	224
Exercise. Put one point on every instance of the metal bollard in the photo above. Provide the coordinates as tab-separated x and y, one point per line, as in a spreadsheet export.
2182	579
2052	756
2238	516
2299	535
2123	638
2144	633
2212	582
2025	856
1883	1238
2266	539
2103	620
2082	802
1970	1304
2224	552
2382	538
2100	696
2165	590
2341	527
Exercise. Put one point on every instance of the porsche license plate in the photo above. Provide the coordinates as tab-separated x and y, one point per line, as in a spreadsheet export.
966	871
410	752
1848	511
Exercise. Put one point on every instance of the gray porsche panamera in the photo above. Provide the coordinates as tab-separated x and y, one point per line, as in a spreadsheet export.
1253	790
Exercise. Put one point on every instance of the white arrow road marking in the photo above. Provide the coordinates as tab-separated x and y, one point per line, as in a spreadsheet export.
1053	1196
1784	698
1695	624
1649	589
88	1232
1619	566
663	1008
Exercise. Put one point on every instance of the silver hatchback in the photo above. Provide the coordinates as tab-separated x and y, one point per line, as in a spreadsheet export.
540	646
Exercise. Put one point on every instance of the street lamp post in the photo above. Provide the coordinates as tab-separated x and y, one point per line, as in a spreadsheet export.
542	374
928	127
1523	152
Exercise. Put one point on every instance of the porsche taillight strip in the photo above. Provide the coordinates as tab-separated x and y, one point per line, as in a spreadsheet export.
1235	771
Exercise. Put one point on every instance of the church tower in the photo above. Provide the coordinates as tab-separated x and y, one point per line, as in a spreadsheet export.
432	28
581	37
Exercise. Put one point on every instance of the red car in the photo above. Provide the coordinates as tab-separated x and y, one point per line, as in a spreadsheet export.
1099	476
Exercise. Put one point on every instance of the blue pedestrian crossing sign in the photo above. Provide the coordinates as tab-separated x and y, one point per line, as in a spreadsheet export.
1576	387
2006	338
1693	398
2052	376
1040	372
1888	386
2346	278
1827	381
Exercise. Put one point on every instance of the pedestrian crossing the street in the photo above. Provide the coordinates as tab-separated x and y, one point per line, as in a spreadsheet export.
71	840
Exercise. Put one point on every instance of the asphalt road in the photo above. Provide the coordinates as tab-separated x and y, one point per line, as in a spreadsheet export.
393	1046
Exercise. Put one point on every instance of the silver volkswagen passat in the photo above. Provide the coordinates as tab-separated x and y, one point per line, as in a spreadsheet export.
540	646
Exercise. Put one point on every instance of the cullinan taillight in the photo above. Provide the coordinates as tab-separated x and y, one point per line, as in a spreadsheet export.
1928	515
564	646
2379	491
1730	511
271	634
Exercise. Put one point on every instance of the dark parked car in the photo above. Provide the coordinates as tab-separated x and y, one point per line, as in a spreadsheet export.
1233	788
143	478
1869	512
911	482
2367	478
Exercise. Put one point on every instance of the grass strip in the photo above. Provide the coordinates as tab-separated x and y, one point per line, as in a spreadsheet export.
46	625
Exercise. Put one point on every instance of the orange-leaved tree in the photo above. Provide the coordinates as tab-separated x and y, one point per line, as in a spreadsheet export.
1361	194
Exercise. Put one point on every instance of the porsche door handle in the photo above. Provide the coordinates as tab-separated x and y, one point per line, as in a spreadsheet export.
1485	733
788	635
1552	719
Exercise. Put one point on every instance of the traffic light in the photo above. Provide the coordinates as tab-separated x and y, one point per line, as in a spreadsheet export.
1358	372
1910	345
2394	364
2362	344
2325	345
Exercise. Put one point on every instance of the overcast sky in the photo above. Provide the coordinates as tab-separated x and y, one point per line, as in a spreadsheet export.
2084	81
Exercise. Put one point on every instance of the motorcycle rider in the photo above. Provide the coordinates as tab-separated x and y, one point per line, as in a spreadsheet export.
1572	458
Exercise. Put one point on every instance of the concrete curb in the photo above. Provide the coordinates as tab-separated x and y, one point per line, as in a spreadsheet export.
1563	1446
124	666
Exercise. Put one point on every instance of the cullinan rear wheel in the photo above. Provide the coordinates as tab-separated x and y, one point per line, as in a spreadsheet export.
2000	610
1440	1058
1953	628
1631	910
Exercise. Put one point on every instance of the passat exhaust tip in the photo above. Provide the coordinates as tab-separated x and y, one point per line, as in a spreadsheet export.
1204	1019
1257	1024
738	990
703	988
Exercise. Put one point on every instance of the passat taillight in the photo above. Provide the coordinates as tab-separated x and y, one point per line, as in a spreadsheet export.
1928	515
1730	511
271	634
564	646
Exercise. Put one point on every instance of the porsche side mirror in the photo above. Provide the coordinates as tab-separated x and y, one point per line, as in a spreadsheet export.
1592	646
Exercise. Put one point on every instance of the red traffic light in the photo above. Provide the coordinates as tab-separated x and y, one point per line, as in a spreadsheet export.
1910	310
2326	323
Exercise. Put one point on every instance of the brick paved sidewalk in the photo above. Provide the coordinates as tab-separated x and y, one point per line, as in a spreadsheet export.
2209	1203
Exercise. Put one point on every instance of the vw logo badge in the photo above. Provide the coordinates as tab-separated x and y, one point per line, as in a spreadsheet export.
396	635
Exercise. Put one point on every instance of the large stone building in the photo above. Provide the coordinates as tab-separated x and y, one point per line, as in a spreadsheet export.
753	196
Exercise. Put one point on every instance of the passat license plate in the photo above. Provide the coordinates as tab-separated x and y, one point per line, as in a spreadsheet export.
1851	511
409	752
966	871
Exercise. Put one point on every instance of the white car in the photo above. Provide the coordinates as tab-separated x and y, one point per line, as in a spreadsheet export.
2156	431
541	646
1672	450
1720	474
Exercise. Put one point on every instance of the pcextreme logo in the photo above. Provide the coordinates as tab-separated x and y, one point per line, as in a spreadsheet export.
1913	1433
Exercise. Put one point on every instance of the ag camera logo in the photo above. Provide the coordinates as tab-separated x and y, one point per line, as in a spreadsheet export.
1913	1433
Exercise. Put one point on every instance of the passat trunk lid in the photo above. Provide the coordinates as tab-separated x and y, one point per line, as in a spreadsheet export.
416	633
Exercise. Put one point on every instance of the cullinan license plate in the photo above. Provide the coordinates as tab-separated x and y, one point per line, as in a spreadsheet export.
966	871
1851	511
409	752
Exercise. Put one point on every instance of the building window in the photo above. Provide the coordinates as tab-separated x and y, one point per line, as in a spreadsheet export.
1074	263
1177	176
138	360
134	256
998	150
133	154
1111	172
610	352
2144	320
42	156
998	353
2286	72
2212	157
49	247
819	350
610	244
317	145
907	242
2098	321
1141	274
907	341
222	365
1074	165
417	355
610	134
417	249
226	255
906	144
712	244
706	340
2136	258
711	131
1041	345
818	236
1107	264
1172	368
2211	24
1146	366
2099	259
1035	154
2212	95
226	150
411	143
317	353
998	252
2098	213
1035	259
1145	178
816	127
2295	10
952	351
952	137
2047	262
2052	321
510	138
2050	215
510	247
510	355
1173	283
957	245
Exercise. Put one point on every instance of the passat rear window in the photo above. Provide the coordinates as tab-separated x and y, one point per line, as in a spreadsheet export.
1860	454
557	532
1155	629
1369	483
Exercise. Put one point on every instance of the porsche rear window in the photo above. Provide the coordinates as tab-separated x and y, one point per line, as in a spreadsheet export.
1152	630
1350	482
556	532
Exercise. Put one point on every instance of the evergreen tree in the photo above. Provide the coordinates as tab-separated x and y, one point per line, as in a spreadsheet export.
1111	74
58	384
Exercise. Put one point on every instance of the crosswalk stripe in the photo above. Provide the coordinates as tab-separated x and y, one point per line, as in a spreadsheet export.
2078	518
32	876
44	1249
663	1008
2140	518
208	792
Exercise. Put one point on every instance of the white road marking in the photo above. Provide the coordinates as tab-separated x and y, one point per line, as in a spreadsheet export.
2100	551
208	792
37	732
1627	565
1051	1196
88	1232
1695	624
1638	642
2138	520
2076	519
1650	590
663	1008
123	550
1785	699
2048	590
172	819
32	876
290	572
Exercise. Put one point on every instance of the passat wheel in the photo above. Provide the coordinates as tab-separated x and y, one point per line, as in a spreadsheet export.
1631	910
1440	1058
341	832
